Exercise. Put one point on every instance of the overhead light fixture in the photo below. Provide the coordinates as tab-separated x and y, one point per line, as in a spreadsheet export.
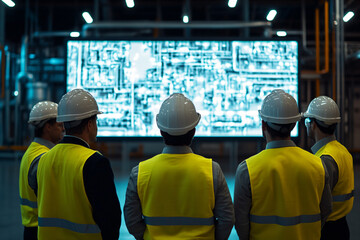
271	15
185	19
281	33
9	3
87	17
348	16
130	3
74	34
232	3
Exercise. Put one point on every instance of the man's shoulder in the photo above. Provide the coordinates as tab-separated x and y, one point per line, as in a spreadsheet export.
96	155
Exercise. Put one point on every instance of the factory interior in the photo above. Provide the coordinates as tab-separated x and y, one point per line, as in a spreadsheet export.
42	42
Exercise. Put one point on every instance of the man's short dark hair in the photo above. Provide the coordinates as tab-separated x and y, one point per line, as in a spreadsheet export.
182	140
39	130
327	129
78	129
283	132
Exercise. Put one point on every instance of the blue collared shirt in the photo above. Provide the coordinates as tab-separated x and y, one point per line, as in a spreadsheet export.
280	144
44	142
322	142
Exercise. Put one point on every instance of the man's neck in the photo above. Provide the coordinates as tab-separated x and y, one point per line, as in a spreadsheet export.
320	135
271	139
84	137
47	138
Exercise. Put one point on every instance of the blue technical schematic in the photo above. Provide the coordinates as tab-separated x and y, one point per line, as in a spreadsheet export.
226	80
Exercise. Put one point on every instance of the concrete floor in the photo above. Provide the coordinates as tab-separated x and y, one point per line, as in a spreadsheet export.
10	219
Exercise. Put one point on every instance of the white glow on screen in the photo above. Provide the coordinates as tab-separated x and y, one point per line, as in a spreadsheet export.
271	15
130	3
9	3
131	100
87	17
185	19
348	16
74	34
232	3
281	33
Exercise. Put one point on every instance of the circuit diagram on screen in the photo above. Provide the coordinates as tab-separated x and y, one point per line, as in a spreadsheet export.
226	80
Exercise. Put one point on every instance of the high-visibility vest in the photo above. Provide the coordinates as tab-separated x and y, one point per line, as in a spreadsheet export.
286	189
64	209
343	192
176	192
28	200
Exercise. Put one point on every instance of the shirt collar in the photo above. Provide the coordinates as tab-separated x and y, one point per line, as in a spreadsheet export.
322	142
177	149
75	140
280	144
44	142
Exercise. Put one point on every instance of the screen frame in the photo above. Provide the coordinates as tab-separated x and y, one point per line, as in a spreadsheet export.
202	138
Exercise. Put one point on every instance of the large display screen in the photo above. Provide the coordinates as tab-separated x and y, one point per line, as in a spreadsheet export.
226	80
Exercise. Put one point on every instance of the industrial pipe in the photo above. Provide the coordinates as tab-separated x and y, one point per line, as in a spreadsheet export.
317	44
317	48
2	49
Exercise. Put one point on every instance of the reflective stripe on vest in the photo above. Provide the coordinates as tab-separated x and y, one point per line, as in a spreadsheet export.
344	197
285	221
27	202
177	221
62	223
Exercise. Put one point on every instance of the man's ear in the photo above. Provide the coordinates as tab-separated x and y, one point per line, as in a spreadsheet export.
263	125
90	123
93	122
47	126
313	125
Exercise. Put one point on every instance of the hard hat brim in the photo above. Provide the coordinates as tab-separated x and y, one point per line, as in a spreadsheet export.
74	117
178	131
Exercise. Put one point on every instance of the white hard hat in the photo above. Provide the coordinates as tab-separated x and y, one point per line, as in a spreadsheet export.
323	109
279	107
77	104
41	111
177	115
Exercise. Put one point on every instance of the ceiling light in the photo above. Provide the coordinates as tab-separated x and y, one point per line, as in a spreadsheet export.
74	34
130	3
348	16
232	3
281	33
185	19
10	3
87	17
271	15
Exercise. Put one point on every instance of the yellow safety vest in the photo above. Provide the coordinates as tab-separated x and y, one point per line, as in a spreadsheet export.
286	189
64	209
28	201
343	192
176	192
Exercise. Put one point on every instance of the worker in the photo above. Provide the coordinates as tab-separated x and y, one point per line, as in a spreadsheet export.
47	134
75	185
321	119
282	192
178	194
